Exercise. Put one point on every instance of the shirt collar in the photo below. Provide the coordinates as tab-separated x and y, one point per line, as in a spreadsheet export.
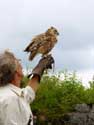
15	89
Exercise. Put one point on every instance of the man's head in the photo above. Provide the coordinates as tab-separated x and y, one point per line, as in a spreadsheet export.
9	67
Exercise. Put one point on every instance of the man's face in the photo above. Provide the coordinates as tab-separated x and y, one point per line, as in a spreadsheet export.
19	73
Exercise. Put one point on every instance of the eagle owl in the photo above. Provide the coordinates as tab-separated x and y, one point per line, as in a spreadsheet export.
42	43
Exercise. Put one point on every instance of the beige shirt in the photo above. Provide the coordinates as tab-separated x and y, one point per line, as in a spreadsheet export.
14	105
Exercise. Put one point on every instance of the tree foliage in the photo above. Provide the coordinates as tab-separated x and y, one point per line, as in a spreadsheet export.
55	97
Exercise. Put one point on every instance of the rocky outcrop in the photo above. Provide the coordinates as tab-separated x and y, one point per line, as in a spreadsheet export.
83	115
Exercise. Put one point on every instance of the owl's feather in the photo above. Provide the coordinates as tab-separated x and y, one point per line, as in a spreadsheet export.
42	43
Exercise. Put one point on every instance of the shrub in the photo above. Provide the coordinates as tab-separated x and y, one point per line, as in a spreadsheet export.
55	97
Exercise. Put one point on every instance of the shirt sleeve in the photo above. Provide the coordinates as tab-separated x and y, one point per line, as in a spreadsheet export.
28	94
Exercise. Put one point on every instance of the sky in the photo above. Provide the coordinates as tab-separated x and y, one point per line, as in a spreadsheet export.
21	20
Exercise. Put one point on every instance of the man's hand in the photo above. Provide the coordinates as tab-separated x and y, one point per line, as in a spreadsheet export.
44	64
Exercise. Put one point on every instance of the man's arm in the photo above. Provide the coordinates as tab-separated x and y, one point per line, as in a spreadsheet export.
34	82
44	63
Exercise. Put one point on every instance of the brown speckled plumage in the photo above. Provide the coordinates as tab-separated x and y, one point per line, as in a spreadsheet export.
42	43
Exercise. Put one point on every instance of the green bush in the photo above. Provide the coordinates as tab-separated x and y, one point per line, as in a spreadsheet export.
90	93
55	97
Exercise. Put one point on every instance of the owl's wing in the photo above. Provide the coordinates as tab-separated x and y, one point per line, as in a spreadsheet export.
36	43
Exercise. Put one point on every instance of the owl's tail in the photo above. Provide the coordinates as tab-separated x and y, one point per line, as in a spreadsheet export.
32	55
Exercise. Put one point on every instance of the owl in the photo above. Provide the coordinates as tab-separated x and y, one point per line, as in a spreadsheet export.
43	43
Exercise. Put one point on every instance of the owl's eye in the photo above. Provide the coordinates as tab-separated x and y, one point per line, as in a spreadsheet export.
56	32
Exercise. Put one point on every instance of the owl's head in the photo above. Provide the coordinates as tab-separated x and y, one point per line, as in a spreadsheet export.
53	31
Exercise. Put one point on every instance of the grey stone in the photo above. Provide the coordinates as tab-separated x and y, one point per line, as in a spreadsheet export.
92	110
91	116
78	118
83	115
82	108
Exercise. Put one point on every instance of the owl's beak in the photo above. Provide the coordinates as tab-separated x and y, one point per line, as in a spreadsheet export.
57	33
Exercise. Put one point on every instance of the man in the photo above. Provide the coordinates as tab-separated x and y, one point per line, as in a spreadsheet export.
14	101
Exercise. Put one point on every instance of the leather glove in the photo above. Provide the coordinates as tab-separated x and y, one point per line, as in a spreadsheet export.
44	64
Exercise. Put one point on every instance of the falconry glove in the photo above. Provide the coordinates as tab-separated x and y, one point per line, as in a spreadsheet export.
44	64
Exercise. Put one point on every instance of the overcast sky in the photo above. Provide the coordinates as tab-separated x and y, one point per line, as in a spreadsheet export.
21	20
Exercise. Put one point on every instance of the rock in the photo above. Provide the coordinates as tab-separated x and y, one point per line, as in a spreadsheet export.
78	118
92	110
83	115
84	108
91	119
